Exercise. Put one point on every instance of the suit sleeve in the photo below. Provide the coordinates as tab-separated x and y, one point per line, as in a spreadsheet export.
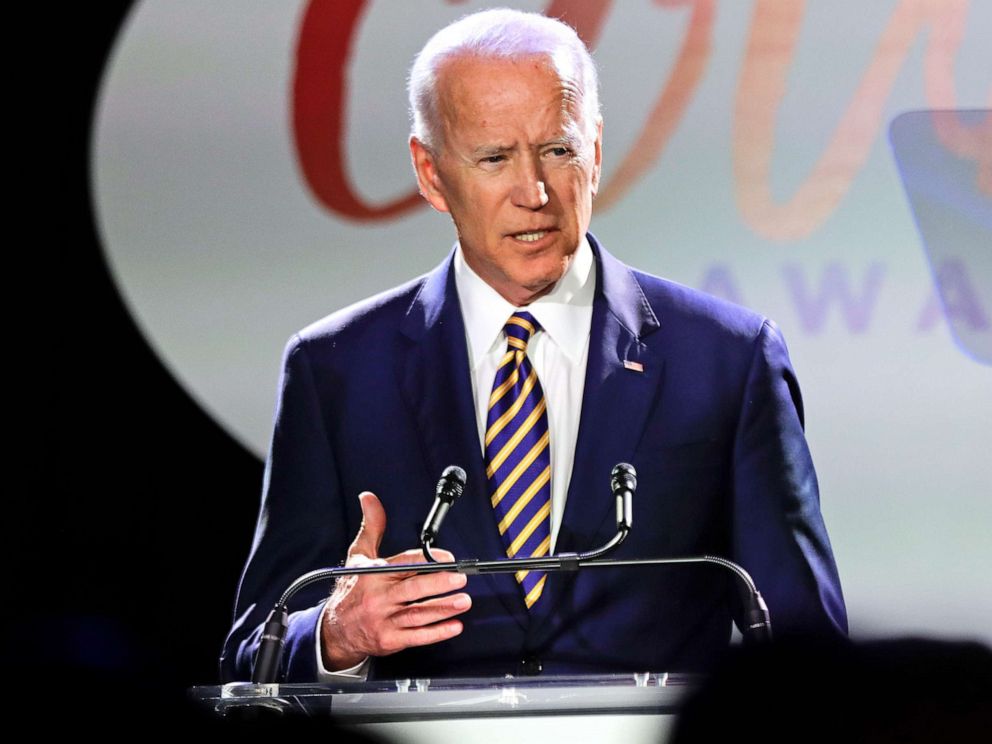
778	531
301	527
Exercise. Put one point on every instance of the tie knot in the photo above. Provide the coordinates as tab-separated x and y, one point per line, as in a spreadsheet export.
519	328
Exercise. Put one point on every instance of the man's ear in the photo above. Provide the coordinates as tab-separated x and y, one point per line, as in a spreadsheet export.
598	162
428	178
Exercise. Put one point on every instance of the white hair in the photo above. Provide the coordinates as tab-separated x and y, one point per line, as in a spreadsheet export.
499	33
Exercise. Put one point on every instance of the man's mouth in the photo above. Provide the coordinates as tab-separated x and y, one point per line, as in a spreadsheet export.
531	237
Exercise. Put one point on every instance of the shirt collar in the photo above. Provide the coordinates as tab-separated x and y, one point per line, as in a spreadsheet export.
565	312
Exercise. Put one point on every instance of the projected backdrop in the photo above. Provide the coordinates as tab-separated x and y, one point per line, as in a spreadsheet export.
251	175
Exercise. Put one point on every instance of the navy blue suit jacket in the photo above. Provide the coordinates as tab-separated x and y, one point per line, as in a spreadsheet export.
378	397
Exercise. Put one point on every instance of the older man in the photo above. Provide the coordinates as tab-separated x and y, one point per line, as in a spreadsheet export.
536	361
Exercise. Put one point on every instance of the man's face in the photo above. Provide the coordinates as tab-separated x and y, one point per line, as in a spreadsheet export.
516	170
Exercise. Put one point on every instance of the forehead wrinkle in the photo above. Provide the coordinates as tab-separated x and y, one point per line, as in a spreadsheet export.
460	104
572	86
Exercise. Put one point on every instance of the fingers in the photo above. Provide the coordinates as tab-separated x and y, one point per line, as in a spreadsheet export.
423	623
372	529
377	616
401	638
415	588
432	633
380	614
417	556
408	557
441	556
432	611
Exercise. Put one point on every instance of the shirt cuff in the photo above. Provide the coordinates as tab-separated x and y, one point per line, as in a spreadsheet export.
357	673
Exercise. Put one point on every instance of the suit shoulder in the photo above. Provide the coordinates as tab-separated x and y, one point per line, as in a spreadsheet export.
373	315
685	307
359	328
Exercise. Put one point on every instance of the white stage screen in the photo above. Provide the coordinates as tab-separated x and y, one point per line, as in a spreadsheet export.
251	175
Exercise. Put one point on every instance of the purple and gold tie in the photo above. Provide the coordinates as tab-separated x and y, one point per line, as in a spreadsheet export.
518	458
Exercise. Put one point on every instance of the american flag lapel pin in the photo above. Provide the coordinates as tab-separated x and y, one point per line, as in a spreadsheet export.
635	366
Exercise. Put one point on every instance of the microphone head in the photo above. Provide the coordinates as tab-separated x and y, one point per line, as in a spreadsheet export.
623	478
623	482
452	484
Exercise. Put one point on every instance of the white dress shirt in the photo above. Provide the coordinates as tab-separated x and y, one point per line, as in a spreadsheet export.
558	353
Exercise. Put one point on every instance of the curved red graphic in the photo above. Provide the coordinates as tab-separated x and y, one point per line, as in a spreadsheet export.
670	105
320	99
320	103
329	28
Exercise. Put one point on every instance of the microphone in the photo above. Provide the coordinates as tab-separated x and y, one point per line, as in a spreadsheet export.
623	483
449	487
268	658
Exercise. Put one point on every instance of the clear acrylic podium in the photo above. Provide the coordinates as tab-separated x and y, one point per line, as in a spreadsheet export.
616	707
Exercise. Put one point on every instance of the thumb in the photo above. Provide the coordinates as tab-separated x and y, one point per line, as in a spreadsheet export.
373	526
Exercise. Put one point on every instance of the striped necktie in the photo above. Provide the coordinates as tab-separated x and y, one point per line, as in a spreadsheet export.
518	458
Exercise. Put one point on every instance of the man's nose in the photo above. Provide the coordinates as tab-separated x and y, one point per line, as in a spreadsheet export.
529	191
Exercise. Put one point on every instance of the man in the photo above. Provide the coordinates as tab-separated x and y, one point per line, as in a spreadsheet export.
536	361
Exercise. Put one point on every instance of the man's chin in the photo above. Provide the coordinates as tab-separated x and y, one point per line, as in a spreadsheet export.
536	289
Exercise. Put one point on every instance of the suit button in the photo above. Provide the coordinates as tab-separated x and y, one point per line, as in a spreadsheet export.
531	666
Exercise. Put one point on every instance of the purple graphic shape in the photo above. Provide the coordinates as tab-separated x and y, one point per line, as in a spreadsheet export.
941	156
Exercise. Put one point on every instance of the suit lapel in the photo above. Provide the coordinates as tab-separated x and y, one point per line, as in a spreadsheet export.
436	384
623	377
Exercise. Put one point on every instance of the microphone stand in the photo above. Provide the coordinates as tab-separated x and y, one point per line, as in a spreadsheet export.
274	633
757	626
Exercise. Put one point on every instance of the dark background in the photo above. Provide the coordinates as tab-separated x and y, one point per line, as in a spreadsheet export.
137	512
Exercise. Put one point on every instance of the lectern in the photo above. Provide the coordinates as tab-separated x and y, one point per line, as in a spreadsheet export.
629	708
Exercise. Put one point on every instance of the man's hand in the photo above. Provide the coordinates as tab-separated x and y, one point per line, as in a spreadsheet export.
380	614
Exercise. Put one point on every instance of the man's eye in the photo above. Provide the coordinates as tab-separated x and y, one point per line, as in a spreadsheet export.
559	152
494	159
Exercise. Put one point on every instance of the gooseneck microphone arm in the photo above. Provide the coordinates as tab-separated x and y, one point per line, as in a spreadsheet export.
757	625
623	483
269	656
